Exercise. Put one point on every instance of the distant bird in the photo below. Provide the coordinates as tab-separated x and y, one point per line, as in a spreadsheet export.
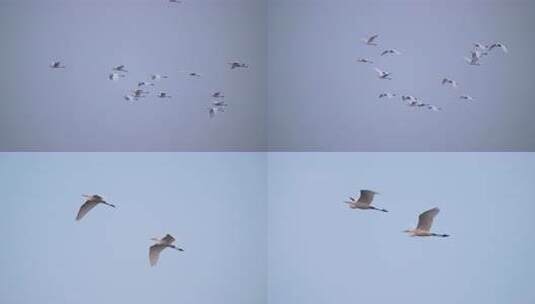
155	250
466	97
157	76
370	40
191	74
144	83
425	220
408	98
453	83
364	60
364	201
57	65
236	64
474	60
433	108
92	201
387	95
129	97
175	1
219	104
415	103
218	94
164	95
391	51
498	45
212	111
139	93
115	76
481	48
383	75
120	68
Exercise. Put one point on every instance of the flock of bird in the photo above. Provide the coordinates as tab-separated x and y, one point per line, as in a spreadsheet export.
154	250
217	104
425	219
478	51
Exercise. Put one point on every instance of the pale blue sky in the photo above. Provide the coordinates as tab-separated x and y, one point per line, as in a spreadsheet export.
320	251
214	204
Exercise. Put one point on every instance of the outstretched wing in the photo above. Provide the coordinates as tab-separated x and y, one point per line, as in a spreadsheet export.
372	38
425	220
88	205
154	253
366	196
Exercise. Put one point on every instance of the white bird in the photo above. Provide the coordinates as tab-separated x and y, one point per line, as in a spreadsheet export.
383	75
425	221
449	81
155	250
92	201
387	95
164	95
57	65
364	201
218	94
364	60
120	68
433	108
236	64
212	111
115	76
144	83
466	97
391	51
474	60
157	76
370	40
499	45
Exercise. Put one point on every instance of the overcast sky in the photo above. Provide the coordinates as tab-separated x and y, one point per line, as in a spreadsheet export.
321	99
213	203
79	109
320	251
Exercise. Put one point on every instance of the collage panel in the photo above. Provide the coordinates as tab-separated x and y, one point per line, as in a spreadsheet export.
327	243
210	206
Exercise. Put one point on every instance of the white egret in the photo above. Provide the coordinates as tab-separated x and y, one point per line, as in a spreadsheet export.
155	250
425	221
92	201
364	201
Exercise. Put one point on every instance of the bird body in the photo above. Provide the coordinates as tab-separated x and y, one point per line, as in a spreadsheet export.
120	68
164	95
236	64
218	94
157	76
115	76
474	59
453	83
387	95
382	74
90	203
364	60
57	65
466	97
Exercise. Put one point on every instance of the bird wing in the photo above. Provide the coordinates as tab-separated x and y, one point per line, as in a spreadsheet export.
378	71
168	239
384	53
504	48
372	38
88	205
425	220
366	196
154	253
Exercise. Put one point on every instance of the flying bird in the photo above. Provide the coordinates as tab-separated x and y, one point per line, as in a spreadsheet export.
498	45
139	93
157	76
453	83
236	64
155	250
425	221
120	68
408	98
364	60
144	83
115	76
57	65
466	97
175	1
474	60
391	51
212	111
164	95
383	75
433	108
92	201
364	201
387	95
370	40
218	94
129	97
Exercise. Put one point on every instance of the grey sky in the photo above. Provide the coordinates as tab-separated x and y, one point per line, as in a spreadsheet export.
79	109
321	99
213	203
320	251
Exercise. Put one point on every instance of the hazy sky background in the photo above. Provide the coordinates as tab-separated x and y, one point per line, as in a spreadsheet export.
79	109
213	203
320	251
321	99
